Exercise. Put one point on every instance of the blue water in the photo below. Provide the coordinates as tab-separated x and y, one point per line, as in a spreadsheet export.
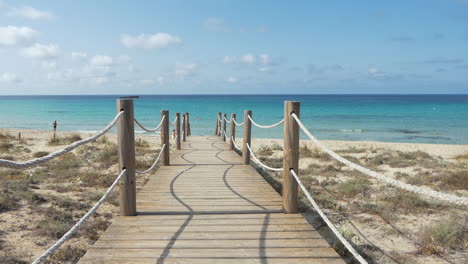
390	118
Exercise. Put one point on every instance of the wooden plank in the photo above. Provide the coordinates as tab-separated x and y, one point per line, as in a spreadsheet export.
207	208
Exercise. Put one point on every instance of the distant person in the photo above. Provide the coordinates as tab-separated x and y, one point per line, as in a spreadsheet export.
55	125
173	134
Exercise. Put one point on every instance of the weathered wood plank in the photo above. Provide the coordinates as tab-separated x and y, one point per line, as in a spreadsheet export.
207	208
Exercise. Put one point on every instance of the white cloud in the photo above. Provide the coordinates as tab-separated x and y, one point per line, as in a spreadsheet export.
262	59
265	59
264	69
49	65
147	82
40	51
101	80
79	56
248	58
185	69
10	77
12	36
31	13
229	59
215	24
101	60
148	41
377	74
64	75
231	80
124	59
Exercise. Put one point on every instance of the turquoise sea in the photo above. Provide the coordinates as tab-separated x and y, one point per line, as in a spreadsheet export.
439	119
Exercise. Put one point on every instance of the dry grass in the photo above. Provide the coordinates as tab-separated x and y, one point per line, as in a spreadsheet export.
64	140
401	159
40	154
67	254
444	235
315	153
353	187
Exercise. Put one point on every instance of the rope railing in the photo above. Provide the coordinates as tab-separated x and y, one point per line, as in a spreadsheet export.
75	228
238	124
235	145
154	163
259	162
262	126
38	161
151	130
227	120
173	123
330	225
408	187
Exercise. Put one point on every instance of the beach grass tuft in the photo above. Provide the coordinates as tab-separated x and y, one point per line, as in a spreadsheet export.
444	235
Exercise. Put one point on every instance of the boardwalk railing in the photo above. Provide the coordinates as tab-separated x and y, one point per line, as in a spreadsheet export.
126	150
291	180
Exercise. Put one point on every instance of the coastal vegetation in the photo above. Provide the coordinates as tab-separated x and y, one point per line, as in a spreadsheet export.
40	204
366	210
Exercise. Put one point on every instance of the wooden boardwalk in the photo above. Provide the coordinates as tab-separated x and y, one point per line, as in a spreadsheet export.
208	208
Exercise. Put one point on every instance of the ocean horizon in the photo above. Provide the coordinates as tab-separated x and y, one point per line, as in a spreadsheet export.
410	118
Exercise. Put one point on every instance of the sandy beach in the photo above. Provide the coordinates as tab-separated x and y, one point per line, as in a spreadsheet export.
369	213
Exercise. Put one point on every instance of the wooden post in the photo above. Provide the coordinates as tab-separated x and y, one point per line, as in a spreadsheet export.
184	133
290	157
165	138
218	124
232	132
177	128
224	127
126	150
186	125
247	137
189	131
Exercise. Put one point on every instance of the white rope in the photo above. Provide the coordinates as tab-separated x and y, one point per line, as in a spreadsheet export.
226	119
409	187
53	155
72	230
154	163
270	126
234	143
238	124
329	223
173	123
151	130
260	163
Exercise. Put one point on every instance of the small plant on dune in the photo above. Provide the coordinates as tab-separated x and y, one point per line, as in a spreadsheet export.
352	149
6	146
40	154
444	235
55	223
67	254
264	150
315	153
4	136
96	179
462	157
457	180
276	146
353	187
142	143
401	159
55	141
108	155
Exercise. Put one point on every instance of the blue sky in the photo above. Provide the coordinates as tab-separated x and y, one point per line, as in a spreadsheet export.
226	47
